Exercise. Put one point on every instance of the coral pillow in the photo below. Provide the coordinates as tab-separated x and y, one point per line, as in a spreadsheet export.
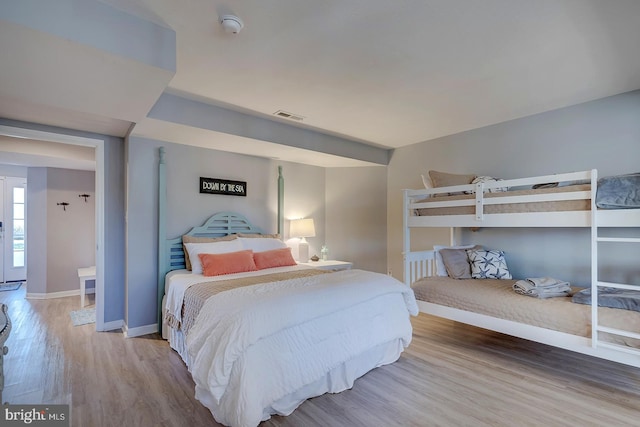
273	258
227	263
219	247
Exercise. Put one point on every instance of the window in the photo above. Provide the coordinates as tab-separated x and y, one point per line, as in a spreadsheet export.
18	227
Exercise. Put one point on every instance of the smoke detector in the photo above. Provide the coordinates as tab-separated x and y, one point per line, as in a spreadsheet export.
231	24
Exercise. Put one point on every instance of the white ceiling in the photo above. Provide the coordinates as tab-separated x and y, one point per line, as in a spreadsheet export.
21	152
385	73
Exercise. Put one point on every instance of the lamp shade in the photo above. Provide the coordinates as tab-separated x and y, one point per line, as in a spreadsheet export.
302	228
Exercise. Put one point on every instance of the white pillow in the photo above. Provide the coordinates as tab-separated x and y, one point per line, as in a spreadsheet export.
441	270
261	244
428	184
194	249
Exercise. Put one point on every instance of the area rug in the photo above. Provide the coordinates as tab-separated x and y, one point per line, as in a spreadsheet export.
11	286
83	317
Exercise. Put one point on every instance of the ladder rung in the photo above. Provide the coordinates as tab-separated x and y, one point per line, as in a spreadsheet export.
617	347
619	286
619	332
619	239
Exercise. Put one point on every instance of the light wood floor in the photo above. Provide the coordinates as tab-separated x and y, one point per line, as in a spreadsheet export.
451	375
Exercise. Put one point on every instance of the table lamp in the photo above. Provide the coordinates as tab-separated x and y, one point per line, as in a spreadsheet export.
302	228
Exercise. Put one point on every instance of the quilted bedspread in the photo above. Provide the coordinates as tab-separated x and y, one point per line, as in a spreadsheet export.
496	298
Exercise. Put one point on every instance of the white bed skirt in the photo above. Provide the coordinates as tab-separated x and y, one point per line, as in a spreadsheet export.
338	379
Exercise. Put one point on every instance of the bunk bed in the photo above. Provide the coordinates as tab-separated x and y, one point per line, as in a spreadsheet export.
559	200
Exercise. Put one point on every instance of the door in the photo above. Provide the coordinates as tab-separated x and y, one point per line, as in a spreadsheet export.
14	229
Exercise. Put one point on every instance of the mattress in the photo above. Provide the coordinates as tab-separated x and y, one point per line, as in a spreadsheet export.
548	206
496	298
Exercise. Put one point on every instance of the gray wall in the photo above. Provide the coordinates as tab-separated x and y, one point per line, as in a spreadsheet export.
304	196
70	237
602	134
357	217
11	170
304	190
59	241
114	224
114	291
51	233
37	230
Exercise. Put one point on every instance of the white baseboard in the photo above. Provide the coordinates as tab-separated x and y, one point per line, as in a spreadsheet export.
113	325
140	330
61	294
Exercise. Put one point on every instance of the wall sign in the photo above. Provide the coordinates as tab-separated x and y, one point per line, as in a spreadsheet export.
223	186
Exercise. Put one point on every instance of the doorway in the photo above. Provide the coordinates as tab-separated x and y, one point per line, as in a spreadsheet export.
13	226
99	145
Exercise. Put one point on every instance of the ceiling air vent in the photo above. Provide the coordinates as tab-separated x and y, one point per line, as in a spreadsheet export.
290	116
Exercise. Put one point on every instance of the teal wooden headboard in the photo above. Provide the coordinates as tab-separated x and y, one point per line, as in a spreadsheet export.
170	251
218	225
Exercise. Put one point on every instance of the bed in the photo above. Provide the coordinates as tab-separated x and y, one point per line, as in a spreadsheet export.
571	202
496	298
259	340
577	199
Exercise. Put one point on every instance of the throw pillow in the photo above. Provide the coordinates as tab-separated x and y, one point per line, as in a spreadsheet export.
194	249
442	179
227	263
490	179
258	235
426	181
456	261
441	269
273	258
261	244
488	264
193	239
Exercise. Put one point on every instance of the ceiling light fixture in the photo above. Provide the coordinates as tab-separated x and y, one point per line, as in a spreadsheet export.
231	24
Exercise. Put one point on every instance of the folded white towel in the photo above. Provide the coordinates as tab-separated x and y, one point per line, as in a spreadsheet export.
542	287
542	282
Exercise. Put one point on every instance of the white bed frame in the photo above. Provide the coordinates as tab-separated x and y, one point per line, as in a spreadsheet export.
420	264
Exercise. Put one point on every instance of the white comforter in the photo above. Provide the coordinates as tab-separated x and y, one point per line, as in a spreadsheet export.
253	346
178	281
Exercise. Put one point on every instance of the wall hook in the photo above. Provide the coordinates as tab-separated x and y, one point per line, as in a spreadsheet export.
64	205
85	195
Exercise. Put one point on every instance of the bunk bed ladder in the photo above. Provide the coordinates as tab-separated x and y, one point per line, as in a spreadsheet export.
596	283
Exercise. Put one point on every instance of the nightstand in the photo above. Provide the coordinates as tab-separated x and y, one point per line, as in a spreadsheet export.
329	265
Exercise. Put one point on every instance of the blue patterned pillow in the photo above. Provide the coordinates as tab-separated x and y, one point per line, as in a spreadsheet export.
490	179
488	264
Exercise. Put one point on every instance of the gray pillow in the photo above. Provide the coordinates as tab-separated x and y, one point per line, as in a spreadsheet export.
456	261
